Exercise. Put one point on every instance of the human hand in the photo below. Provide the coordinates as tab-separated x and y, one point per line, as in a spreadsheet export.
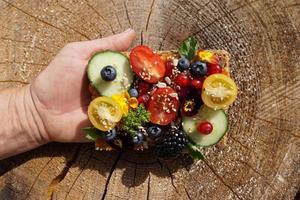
60	93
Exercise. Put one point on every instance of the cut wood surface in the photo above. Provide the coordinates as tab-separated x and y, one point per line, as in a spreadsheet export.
259	158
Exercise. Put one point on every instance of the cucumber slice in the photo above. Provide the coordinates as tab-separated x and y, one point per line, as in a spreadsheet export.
124	73
217	118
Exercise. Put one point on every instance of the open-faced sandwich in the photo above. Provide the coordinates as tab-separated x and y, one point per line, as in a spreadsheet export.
169	101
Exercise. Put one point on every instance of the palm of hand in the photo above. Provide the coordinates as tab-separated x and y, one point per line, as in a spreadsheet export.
60	92
62	95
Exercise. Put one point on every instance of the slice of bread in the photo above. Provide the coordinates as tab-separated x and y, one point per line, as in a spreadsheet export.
223	56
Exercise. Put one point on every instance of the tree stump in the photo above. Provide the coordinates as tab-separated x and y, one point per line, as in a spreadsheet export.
259	158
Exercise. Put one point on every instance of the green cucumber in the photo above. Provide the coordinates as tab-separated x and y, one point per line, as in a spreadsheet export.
217	118
120	62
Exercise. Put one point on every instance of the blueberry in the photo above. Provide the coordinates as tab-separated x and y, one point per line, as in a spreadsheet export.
183	64
138	138
110	135
198	69
133	92
108	73
154	131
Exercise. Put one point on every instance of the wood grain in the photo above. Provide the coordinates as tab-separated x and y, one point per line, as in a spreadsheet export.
260	157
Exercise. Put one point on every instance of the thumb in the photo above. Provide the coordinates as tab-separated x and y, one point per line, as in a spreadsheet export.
118	42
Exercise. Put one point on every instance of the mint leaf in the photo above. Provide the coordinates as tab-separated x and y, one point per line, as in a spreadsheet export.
195	152
188	48
92	133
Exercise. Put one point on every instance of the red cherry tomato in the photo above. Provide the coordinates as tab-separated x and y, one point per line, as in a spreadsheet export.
143	87
169	67
197	84
182	80
214	69
146	64
163	106
205	127
143	99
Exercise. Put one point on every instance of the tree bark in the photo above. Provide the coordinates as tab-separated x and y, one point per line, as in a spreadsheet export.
259	158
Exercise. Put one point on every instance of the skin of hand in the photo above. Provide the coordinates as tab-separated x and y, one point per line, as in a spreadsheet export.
55	103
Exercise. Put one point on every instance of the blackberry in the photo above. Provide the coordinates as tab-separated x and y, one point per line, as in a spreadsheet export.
171	143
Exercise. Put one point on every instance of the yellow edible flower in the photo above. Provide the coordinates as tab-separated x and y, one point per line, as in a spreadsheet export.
125	101
207	56
133	102
122	100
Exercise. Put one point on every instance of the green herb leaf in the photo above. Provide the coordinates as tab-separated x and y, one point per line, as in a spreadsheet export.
92	133
195	151
188	48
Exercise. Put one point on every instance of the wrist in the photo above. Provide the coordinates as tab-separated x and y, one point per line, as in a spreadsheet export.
26	118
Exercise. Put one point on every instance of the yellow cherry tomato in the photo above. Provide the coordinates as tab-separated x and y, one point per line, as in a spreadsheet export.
104	113
219	91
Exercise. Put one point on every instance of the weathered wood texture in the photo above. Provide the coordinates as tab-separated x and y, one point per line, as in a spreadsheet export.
260	158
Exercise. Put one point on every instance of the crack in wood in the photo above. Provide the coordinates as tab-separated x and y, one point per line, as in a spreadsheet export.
118	20
148	187
261	21
78	32
221	17
100	16
164	39
14	40
81	171
260	174
14	62
84	195
291	98
142	38
36	18
127	13
169	29
110	174
69	11
160	164
237	141
36	178
172	179
187	193
288	131
14	81
281	163
292	5
149	15
134	175
24	41
140	163
221	179
53	184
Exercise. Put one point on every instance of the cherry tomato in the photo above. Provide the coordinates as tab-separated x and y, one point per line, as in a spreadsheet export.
214	69
169	67
205	127
143	99
146	64
197	84
163	106
104	113
219	91
143	87
182	80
